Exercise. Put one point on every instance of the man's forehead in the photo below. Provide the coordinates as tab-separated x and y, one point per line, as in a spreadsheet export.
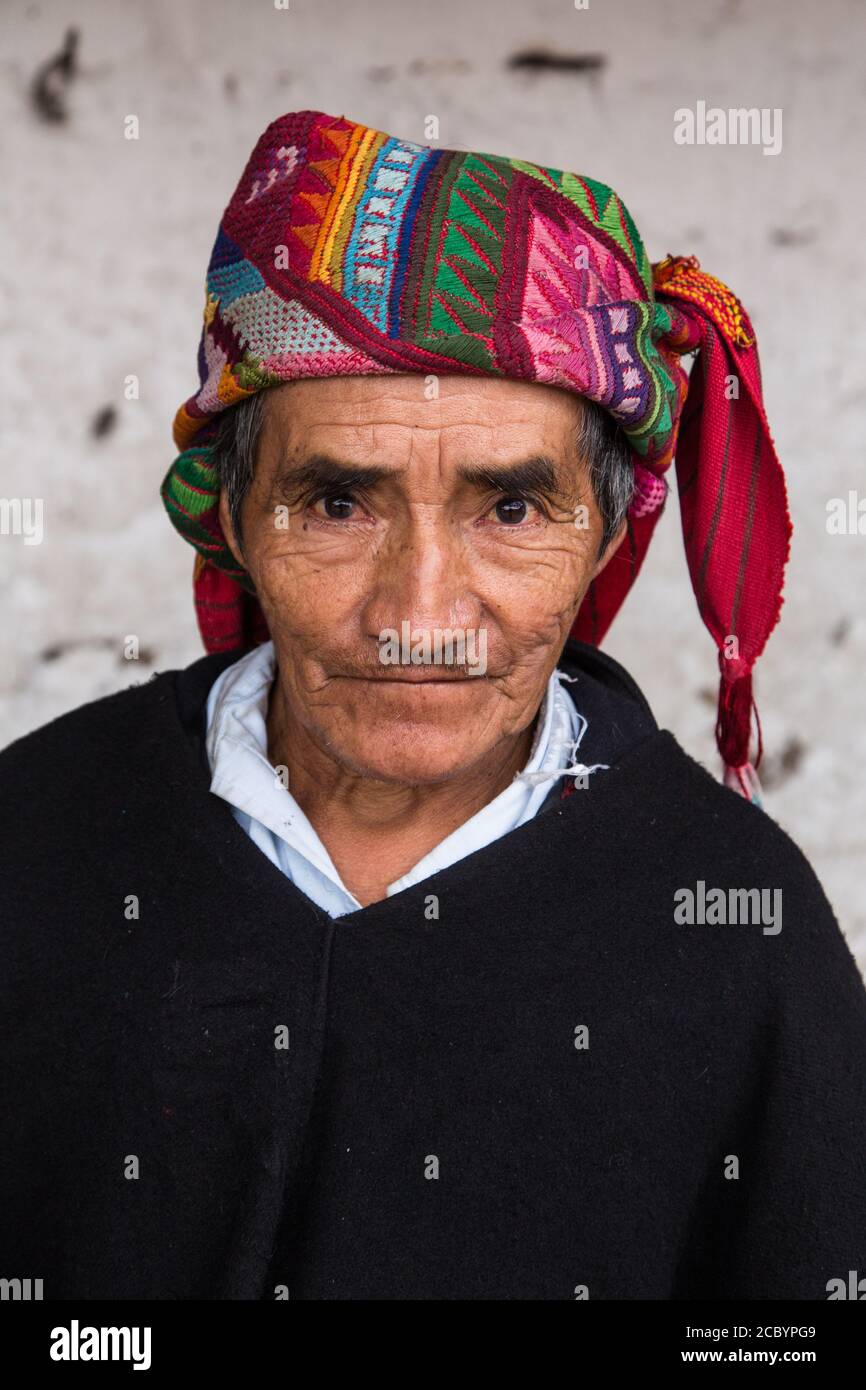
453	404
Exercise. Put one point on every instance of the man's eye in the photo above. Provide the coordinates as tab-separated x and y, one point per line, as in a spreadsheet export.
336	507
511	510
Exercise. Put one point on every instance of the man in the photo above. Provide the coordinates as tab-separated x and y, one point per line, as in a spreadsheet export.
391	950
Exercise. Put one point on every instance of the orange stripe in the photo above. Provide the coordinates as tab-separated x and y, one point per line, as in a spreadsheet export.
344	189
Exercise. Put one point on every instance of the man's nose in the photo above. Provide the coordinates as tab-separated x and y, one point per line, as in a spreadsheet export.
423	576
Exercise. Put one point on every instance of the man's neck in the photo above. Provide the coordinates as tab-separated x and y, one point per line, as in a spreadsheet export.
376	831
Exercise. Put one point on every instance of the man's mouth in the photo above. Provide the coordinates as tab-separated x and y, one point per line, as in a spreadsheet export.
422	678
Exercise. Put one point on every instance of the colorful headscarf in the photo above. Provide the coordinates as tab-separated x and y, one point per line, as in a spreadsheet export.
345	251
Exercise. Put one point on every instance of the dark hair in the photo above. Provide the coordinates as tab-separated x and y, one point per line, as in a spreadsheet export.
599	440
234	453
610	464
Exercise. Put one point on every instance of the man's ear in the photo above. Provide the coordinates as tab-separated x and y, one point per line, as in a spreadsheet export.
610	549
229	531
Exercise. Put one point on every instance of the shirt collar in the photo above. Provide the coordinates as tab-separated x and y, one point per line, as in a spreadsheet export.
243	775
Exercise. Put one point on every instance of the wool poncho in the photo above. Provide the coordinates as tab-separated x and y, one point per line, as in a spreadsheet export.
528	1077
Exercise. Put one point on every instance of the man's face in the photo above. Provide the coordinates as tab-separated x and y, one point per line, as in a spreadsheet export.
372	508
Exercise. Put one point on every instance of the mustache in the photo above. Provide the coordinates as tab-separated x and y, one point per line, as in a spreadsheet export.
442	670
424	653
418	655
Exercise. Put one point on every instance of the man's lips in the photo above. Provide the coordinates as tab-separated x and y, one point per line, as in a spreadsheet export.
418	678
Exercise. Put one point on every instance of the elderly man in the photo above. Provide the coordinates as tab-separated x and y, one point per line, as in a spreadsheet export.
391	950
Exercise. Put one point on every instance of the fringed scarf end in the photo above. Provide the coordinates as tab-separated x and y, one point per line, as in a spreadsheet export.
734	731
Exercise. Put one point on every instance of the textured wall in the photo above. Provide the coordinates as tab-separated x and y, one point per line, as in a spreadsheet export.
106	242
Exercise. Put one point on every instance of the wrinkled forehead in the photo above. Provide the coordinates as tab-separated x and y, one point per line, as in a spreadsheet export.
448	413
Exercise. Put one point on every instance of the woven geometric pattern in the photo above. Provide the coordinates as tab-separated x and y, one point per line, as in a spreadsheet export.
345	251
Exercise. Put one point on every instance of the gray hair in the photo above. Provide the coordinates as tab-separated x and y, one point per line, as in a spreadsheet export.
599	440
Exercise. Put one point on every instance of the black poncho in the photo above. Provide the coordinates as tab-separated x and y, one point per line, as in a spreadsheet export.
522	1078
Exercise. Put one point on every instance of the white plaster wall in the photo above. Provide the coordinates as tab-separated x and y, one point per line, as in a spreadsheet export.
105	243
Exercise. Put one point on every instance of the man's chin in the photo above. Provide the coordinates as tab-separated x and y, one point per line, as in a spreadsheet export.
412	752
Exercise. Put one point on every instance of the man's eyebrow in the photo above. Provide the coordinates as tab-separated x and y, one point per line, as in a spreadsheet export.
322	471
536	474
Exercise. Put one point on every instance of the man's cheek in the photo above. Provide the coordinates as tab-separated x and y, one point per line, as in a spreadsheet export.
278	558
304	598
548	583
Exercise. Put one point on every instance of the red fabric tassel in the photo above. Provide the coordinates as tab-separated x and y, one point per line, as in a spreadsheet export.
734	732
734	720
733	499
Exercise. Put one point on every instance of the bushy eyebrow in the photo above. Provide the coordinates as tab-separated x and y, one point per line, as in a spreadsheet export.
535	474
320	471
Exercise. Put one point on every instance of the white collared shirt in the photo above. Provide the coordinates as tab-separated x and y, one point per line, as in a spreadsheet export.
243	775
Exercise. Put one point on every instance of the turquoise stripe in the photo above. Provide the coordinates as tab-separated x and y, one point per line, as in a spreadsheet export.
373	298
